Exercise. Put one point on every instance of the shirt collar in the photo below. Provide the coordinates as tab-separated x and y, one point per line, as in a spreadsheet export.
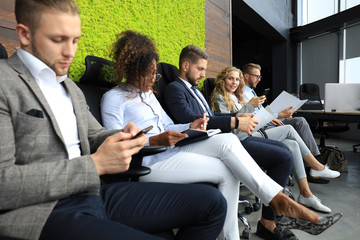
248	89
186	83
36	66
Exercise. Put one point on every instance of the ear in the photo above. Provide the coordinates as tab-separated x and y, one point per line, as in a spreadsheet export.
24	35
185	66
246	76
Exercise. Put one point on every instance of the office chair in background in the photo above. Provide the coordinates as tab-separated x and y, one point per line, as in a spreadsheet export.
3	53
311	92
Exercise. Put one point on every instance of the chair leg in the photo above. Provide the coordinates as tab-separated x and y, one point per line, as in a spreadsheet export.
322	140
246	233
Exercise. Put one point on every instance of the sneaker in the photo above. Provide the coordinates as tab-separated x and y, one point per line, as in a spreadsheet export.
325	173
313	202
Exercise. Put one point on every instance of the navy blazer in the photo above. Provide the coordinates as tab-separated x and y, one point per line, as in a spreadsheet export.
183	107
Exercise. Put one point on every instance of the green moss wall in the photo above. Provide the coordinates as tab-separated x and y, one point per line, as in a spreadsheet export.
172	24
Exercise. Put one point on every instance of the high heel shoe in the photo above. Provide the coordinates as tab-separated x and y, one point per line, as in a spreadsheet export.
309	227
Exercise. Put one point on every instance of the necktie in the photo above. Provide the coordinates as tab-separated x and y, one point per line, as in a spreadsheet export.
258	108
203	102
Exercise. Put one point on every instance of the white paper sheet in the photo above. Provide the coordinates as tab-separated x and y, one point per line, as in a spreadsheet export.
263	116
285	100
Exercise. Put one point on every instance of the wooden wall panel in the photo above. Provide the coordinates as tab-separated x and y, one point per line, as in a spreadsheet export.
8	36
218	30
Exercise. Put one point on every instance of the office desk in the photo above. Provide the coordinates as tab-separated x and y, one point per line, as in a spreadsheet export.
321	116
348	117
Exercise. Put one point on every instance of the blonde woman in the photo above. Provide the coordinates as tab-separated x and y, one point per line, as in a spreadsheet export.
228	97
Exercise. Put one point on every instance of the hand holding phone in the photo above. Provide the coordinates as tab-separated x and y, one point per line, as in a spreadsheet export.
145	130
265	92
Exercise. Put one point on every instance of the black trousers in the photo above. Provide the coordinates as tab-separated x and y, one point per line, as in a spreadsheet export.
272	156
134	210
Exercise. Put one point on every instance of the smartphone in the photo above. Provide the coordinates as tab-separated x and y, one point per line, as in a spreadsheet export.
145	130
265	92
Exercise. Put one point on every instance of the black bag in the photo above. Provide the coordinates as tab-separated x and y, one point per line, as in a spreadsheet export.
334	158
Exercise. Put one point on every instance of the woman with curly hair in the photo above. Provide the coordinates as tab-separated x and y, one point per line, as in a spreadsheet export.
220	159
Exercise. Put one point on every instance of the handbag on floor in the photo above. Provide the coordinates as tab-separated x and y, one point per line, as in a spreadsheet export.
334	158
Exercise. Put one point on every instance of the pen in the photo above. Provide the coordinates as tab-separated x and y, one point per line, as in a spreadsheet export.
204	117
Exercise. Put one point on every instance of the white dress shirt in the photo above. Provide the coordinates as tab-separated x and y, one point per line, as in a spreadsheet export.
119	107
58	99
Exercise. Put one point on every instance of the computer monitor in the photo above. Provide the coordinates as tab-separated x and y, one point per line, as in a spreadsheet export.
342	97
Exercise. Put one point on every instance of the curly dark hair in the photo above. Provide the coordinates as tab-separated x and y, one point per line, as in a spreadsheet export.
133	54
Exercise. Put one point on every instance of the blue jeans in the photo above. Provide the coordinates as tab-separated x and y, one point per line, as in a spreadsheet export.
272	156
133	210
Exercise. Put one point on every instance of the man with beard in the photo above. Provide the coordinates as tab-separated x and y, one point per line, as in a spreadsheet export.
53	150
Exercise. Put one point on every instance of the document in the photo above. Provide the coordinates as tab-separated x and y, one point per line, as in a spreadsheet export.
286	100
264	115
195	135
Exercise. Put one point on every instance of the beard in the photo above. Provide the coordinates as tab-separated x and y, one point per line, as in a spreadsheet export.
252	85
52	66
191	79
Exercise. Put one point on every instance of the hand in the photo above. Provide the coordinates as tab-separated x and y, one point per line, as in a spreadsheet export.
114	154
247	124
257	101
199	123
276	122
287	113
245	115
168	138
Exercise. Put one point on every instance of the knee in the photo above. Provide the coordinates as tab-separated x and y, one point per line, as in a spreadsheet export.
214	198
228	139
288	128
301	122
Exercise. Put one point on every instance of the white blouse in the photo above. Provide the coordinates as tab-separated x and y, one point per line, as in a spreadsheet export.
119	107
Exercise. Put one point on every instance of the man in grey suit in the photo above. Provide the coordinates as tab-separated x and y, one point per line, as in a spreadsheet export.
52	150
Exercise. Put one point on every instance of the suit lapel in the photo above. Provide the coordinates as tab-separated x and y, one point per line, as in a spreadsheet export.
192	94
27	77
78	111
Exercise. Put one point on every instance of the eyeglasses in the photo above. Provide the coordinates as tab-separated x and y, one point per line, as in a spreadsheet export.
257	76
157	77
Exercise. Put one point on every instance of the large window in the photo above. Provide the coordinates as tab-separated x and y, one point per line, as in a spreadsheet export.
313	10
350	55
329	57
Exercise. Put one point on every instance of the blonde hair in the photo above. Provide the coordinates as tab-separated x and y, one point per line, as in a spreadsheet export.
220	89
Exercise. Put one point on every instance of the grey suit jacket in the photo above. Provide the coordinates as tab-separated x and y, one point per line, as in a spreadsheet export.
34	168
221	106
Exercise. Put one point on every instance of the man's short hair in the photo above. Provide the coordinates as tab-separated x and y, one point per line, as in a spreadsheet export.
192	54
247	68
28	12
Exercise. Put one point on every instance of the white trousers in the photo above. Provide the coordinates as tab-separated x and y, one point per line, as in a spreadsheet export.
223	161
288	135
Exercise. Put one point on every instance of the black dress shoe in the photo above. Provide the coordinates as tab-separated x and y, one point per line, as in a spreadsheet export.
315	180
264	233
309	227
